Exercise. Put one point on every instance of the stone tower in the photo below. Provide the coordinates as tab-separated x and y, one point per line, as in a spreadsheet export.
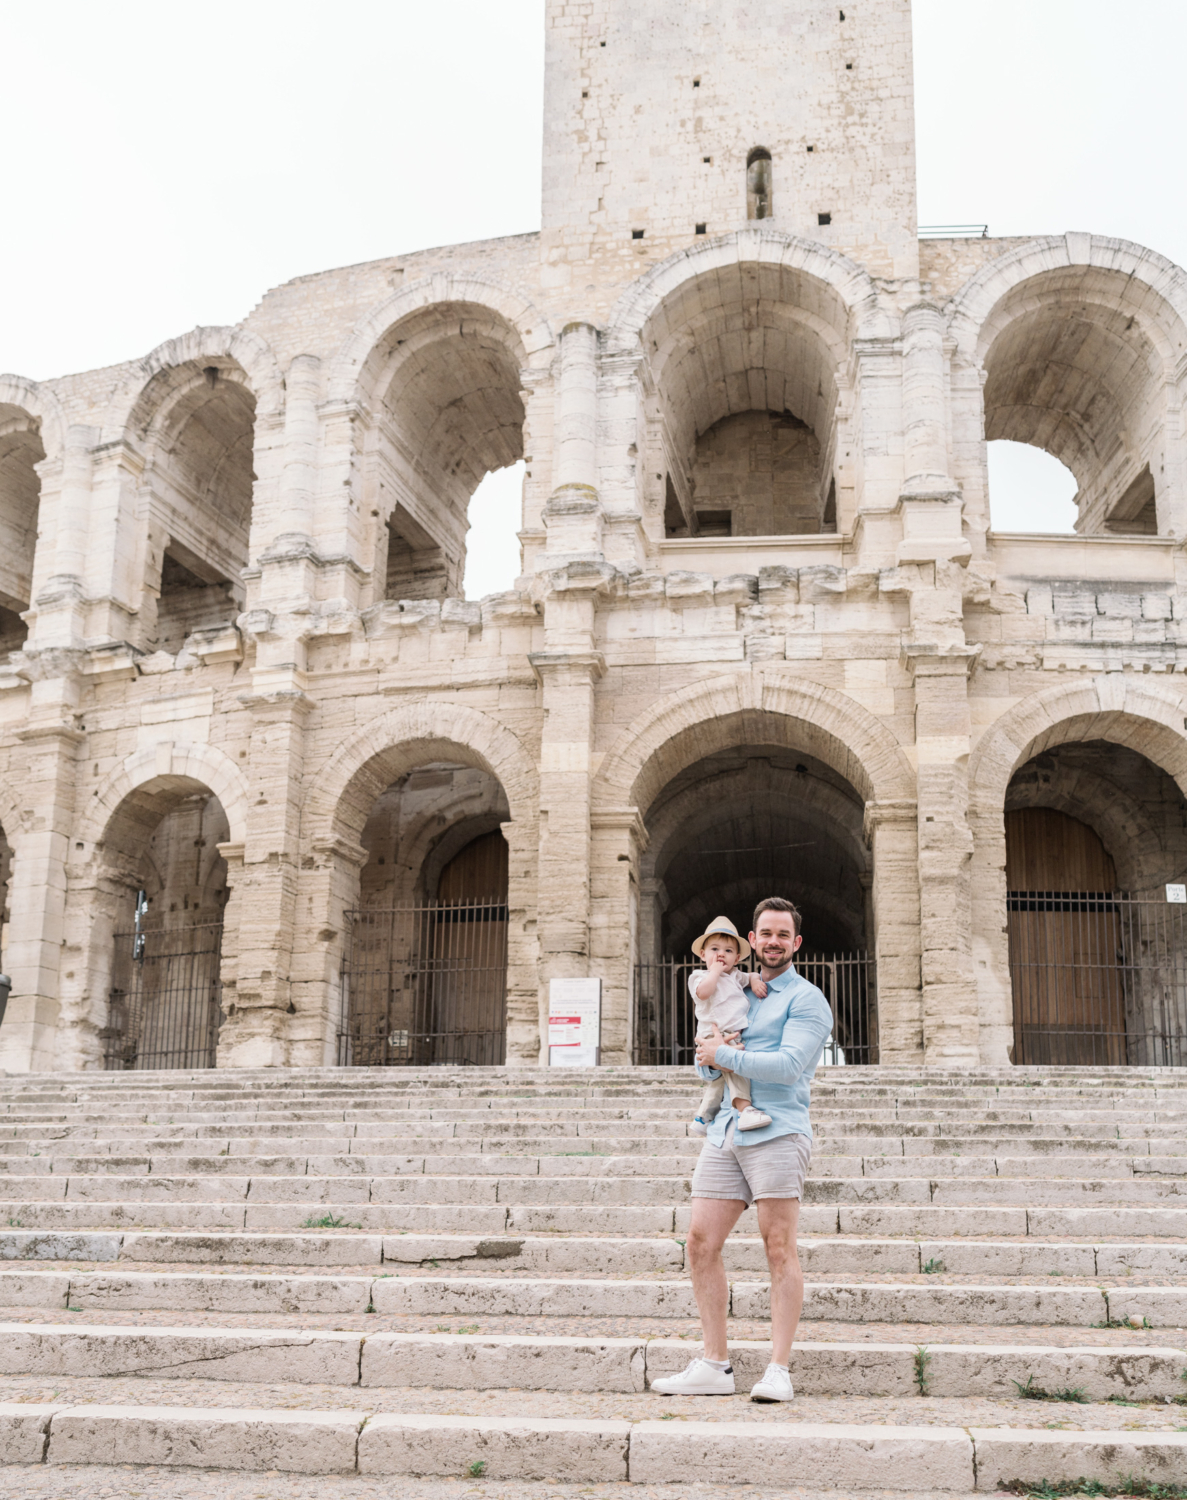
275	793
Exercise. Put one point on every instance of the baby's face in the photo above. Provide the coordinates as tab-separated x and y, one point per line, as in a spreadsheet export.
721	947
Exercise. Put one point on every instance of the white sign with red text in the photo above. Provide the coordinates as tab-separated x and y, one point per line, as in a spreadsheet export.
574	1023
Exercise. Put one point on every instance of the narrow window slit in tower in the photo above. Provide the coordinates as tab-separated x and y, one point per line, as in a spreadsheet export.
636	234
758	184
700	229
824	218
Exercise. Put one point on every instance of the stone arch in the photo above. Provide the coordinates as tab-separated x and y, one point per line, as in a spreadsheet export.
42	406
842	734
409	735
1138	713
745	344
167	767
243	356
437	372
850	283
354	367
1079	342
1157	287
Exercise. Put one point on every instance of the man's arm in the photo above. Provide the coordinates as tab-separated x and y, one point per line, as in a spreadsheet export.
804	1033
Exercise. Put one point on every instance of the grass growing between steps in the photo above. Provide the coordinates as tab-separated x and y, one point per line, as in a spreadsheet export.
1032	1392
1044	1490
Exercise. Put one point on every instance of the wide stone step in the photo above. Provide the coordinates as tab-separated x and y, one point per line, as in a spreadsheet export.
572	1297
470	1362
616	1255
910	1459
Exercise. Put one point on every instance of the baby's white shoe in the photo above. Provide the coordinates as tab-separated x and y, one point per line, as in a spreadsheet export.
698	1127
752	1119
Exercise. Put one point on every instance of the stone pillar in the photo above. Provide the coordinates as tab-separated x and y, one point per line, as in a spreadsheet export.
259	1002
894	898
37	903
942	741
299	474
925	426
619	840
329	889
563	908
990	938
526	1013
573	515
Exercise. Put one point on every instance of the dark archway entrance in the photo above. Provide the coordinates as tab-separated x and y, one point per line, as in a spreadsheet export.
732	828
424	974
1096	844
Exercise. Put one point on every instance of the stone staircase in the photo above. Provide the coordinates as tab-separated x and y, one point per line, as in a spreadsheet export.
475	1274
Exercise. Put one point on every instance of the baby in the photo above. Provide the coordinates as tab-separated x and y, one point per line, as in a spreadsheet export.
719	998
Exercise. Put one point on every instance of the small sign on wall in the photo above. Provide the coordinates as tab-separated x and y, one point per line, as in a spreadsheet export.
1177	894
574	1023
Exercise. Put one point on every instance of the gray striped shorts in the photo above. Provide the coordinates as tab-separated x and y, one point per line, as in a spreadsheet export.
768	1169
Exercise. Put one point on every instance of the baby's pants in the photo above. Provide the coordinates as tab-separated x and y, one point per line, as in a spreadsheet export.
739	1088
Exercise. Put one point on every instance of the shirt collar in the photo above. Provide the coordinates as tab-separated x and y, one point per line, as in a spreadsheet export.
783	980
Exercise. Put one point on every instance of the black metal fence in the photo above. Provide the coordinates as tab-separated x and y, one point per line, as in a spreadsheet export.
1098	978
164	1005
424	985
665	1024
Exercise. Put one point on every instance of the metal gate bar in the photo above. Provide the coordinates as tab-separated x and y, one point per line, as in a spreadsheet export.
423	985
164	1005
665	1024
1098	978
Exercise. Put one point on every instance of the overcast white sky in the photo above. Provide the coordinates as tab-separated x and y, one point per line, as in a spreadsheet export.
167	163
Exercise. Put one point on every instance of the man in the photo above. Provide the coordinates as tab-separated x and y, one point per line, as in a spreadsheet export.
784	1041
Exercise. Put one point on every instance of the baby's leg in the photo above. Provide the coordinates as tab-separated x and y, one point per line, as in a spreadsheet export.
711	1098
739	1088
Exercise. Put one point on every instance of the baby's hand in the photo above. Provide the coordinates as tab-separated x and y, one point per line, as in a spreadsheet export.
758	987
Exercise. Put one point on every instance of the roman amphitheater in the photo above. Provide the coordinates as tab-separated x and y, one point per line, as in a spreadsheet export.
274	793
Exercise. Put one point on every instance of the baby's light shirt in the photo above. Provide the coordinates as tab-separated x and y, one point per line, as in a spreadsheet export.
728	1006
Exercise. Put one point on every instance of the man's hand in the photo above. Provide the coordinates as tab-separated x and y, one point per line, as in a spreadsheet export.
708	1044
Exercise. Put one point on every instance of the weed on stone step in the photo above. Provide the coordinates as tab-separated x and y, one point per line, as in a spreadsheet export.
1032	1392
1045	1490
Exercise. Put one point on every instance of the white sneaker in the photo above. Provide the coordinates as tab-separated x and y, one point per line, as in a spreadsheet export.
752	1119
700	1379
774	1386
698	1127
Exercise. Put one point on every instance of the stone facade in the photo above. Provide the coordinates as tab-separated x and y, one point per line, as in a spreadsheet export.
241	677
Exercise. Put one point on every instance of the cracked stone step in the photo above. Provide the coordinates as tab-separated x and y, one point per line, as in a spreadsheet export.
493	1362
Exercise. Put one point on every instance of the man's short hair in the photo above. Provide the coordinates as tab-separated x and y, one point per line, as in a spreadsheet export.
778	903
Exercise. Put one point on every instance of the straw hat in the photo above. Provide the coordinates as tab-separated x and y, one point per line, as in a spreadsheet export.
726	928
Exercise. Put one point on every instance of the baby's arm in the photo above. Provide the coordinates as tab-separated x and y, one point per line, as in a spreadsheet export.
758	987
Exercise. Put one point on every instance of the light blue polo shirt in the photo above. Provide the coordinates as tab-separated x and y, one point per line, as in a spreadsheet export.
784	1043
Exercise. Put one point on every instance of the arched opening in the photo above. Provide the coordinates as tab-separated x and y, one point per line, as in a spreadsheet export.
449	411
743	438
21	451
760	189
164	894
493	557
747	821
199	482
1029	490
1096	837
424	974
1071	368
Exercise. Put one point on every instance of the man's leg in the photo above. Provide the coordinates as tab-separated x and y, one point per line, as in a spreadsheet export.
778	1220
712	1220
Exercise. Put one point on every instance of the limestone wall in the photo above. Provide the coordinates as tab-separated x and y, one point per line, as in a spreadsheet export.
250	543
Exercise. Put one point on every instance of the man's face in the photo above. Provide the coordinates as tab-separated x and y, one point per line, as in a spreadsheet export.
723	948
775	940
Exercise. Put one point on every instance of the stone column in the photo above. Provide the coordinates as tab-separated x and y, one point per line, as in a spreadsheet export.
573	515
942	740
329	889
894	897
526	1015
37	903
563	910
619	840
301	435
925	426
259	1003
